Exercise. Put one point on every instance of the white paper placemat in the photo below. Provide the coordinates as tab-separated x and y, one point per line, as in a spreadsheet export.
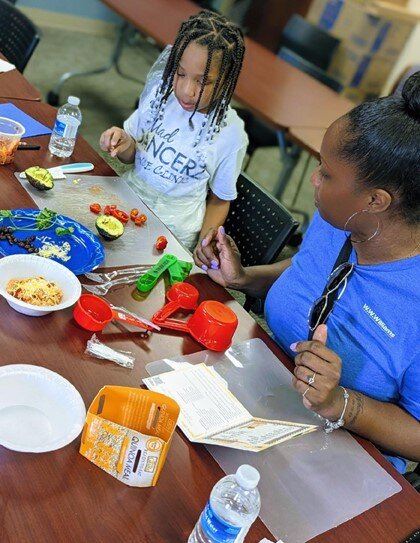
309	484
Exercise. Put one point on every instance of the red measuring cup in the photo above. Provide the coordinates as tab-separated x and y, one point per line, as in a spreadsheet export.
180	296
212	324
94	313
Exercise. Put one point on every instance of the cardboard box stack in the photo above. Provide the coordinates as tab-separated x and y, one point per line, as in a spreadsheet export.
370	44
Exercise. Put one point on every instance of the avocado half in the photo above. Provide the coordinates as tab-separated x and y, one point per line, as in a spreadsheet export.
109	227
40	178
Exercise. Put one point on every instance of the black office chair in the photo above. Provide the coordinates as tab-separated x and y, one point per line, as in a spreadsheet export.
259	224
309	41
18	35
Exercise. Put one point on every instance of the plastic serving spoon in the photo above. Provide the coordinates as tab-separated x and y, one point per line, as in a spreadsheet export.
59	172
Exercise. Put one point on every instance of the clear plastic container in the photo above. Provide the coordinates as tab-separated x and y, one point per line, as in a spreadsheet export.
63	137
233	506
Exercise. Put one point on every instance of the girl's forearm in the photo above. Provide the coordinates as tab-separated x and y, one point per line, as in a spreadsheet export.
216	213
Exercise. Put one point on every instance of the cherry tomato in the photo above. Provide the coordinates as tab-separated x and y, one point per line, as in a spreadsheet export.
122	216
107	210
95	208
113	206
140	220
161	243
133	213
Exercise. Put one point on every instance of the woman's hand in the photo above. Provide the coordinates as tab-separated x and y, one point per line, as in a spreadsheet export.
219	256
317	374
115	141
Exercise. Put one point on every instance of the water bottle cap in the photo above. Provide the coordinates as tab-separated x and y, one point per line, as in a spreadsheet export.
247	477
73	100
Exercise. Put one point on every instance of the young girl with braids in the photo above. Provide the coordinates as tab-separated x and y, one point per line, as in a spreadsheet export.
186	142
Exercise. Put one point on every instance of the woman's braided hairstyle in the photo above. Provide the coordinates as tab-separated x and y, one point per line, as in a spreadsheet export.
217	34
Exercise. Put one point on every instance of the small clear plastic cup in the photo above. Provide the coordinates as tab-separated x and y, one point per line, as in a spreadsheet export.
11	133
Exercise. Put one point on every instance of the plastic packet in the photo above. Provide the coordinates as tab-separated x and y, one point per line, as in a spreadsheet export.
106	277
96	348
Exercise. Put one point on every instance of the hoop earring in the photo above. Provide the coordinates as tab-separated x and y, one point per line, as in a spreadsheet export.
370	237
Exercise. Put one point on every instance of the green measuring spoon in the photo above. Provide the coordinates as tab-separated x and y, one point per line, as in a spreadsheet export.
179	271
147	281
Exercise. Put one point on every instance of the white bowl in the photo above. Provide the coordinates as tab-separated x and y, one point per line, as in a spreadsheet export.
39	410
25	266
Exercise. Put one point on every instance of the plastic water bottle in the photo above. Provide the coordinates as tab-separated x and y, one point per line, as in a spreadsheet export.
233	506
63	137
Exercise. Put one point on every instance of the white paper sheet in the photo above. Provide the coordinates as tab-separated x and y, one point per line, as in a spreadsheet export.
6	66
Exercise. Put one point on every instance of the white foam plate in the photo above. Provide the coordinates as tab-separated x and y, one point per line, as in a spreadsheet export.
25	266
40	410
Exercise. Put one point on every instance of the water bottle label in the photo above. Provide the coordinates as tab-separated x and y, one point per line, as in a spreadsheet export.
216	528
65	130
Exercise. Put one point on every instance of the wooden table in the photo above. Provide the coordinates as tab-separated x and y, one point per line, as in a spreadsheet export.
60	497
309	139
14	85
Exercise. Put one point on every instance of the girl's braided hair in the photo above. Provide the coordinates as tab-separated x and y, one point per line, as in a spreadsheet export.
217	34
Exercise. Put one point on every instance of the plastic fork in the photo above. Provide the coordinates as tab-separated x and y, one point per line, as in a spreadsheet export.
106	277
103	288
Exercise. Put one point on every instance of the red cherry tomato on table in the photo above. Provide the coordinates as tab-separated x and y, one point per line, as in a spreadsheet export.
133	213
107	210
122	216
161	243
140	220
95	208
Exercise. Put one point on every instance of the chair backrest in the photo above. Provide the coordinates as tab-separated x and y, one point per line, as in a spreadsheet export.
296	60
18	35
309	41
259	224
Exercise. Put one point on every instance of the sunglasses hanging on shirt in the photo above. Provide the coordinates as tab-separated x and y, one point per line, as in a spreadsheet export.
337	282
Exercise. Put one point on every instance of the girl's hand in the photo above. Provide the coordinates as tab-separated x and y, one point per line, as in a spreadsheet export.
205	253
115	141
221	249
317	374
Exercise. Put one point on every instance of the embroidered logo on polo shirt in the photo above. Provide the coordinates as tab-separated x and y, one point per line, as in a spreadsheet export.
378	321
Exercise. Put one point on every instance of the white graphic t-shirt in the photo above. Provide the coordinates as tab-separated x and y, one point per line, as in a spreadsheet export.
171	175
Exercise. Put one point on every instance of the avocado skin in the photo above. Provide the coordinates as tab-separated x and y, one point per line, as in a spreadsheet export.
109	227
40	178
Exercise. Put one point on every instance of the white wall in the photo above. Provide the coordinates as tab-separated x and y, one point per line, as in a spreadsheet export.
410	54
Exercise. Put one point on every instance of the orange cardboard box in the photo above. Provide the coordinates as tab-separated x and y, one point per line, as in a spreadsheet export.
127	433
